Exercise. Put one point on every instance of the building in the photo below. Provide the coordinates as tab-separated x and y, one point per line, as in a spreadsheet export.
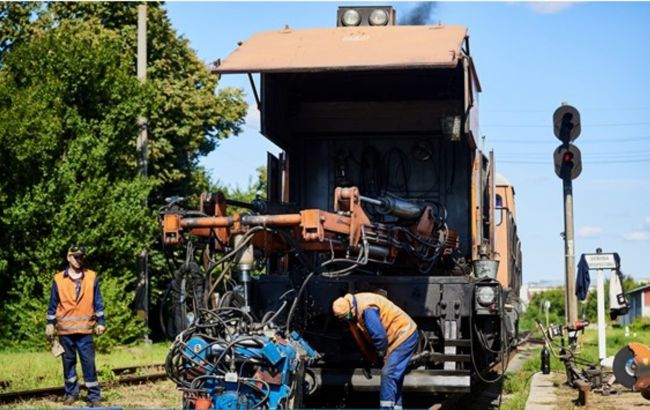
639	304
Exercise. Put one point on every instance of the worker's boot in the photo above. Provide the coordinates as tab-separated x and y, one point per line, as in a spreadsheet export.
69	400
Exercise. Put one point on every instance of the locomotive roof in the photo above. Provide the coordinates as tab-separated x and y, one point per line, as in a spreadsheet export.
348	48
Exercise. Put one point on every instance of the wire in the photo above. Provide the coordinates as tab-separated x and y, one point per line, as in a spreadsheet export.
505	346
586	141
547	163
611	124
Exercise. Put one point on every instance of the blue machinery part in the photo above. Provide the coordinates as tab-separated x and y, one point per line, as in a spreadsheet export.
247	372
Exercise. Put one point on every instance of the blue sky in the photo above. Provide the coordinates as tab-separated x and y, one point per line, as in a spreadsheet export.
530	57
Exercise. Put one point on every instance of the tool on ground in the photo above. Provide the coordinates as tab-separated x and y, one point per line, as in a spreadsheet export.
632	368
578	370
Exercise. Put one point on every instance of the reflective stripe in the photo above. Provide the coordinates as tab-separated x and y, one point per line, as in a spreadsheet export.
50	317
71	380
99	314
91	384
77	327
386	403
398	408
72	318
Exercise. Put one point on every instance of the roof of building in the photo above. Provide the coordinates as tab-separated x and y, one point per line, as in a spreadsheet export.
639	289
348	48
501	180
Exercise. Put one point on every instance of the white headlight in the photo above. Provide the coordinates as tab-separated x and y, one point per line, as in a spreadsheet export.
351	18
485	295
378	17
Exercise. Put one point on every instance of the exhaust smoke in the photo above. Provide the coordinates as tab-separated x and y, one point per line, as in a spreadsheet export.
420	15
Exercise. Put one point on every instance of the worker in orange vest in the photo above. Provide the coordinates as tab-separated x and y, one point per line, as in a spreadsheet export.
392	333
76	310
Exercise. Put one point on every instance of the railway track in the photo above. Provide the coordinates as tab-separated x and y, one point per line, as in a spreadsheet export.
488	396
124	376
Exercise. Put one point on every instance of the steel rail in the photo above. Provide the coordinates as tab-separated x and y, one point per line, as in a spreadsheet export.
129	379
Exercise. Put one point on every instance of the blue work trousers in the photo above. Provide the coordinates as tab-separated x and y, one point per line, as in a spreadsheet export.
392	374
84	345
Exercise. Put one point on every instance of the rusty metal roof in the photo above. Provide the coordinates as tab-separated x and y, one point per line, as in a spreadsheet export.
347	48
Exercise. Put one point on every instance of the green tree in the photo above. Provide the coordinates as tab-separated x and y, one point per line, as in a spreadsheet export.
255	188
535	311
587	309
69	102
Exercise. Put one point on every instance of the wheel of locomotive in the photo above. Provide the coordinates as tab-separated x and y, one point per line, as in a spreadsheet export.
646	393
624	367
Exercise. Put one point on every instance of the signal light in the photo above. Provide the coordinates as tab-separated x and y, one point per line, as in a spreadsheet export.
568	161
566	123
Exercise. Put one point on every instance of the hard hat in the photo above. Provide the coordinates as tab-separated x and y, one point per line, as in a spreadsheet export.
342	306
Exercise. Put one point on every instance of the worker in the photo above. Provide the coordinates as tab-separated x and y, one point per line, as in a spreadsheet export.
392	333
76	309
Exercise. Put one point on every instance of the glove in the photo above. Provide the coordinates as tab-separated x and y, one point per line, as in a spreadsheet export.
100	329
49	332
381	354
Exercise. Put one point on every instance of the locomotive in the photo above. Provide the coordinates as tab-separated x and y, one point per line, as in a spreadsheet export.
380	187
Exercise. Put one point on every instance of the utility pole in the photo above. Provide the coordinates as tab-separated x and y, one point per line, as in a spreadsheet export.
142	149
569	253
568	166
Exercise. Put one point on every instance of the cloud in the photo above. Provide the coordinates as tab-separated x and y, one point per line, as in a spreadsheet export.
252	120
636	236
590	231
647	221
549	7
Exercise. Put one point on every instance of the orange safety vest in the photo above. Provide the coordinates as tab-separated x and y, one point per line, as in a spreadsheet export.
74	316
398	325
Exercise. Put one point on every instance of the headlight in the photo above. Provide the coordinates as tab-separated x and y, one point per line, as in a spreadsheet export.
351	18
486	295
378	17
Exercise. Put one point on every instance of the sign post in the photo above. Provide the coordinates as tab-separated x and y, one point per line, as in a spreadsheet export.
599	261
600	294
547	306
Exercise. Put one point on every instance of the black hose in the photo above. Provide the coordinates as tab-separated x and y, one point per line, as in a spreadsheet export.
295	301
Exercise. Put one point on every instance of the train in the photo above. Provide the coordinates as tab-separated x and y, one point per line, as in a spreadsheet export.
380	187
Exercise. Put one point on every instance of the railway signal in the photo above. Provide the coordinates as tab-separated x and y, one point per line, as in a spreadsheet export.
566	123
568	161
568	166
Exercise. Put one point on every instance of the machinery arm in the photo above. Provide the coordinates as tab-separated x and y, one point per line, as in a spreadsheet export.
347	228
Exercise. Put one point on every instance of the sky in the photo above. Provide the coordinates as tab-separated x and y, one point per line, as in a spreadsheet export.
530	58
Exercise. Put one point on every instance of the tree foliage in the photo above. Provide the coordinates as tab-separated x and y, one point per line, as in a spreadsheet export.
587	309
69	103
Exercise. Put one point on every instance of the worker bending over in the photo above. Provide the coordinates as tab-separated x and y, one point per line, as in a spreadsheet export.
392	333
75	308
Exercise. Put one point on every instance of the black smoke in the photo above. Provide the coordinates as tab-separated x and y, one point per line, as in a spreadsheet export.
420	15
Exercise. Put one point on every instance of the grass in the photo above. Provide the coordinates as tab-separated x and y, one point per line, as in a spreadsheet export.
33	370
40	369
517	385
159	395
